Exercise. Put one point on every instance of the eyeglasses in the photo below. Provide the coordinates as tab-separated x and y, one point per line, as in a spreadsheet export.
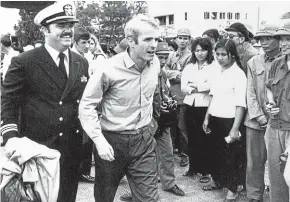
183	38
231	36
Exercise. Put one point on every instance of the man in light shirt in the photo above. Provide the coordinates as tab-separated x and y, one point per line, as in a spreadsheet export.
123	94
174	67
256	117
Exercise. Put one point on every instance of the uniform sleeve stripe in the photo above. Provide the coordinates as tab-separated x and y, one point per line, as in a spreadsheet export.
8	127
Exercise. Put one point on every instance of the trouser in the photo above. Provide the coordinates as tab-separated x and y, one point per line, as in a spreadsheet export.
199	147
69	146
165	158
229	159
136	158
179	130
276	142
86	163
256	160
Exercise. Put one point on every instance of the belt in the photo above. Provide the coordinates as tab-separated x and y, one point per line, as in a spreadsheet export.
130	132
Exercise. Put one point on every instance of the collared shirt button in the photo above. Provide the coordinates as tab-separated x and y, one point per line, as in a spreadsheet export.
60	103
60	118
61	134
77	131
78	101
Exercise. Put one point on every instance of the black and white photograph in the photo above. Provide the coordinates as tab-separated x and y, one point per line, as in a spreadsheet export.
145	101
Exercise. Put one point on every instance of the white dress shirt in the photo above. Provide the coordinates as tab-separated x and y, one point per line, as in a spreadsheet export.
201	78
229	91
55	56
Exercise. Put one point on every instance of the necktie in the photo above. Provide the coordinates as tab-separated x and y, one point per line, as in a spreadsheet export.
61	65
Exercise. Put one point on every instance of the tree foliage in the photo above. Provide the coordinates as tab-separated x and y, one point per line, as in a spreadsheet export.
106	19
26	31
286	15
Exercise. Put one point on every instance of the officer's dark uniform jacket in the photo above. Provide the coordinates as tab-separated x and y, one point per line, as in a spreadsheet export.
47	101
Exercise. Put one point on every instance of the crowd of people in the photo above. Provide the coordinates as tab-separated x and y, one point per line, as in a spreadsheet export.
215	100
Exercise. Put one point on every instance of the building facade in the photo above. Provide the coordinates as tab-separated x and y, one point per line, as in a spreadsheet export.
200	16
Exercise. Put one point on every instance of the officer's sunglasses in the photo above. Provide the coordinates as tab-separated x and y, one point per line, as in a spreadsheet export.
231	36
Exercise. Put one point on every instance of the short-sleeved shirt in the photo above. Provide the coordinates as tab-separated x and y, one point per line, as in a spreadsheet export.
229	91
279	83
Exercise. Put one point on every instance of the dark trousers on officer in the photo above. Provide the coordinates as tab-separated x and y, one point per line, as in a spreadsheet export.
69	146
135	157
86	162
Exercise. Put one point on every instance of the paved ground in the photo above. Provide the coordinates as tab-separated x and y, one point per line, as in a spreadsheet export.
191	187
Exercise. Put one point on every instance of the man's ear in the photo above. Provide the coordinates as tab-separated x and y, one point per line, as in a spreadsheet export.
242	39
131	42
44	30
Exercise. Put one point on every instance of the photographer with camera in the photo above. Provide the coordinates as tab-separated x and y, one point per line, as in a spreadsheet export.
164	149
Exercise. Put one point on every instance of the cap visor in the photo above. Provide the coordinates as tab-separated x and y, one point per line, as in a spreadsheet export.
162	52
65	21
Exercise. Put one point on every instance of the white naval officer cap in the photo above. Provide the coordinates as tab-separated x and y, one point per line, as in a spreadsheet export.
56	13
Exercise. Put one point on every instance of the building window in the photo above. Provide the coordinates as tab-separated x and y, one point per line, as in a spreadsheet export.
206	15
162	20
237	16
185	15
222	15
214	15
230	16
171	19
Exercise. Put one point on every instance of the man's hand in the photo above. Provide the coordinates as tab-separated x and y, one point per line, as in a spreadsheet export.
104	149
262	120
205	126
233	136
271	109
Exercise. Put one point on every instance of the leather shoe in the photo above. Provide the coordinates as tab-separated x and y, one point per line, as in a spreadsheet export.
176	191
87	178
126	197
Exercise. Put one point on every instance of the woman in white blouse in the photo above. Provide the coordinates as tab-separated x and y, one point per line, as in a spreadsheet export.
223	121
195	82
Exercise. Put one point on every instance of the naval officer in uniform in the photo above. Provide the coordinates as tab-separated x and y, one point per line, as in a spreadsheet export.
41	94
